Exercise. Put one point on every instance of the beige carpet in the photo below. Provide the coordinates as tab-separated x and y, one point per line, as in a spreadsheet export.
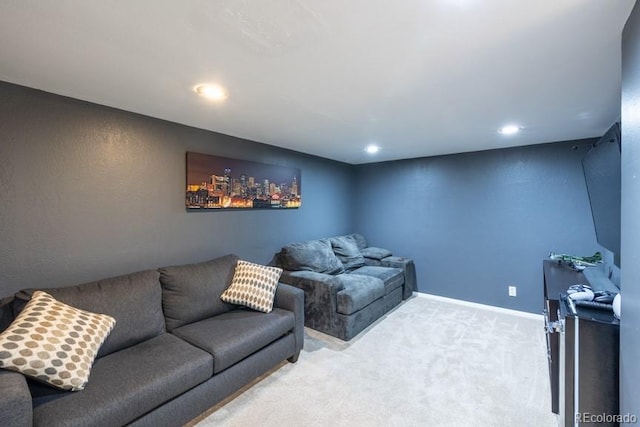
430	362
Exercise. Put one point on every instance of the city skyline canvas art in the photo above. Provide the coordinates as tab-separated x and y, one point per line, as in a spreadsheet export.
215	183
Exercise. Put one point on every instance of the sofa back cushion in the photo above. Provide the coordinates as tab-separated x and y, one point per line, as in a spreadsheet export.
346	249
192	292
134	300
314	255
360	240
6	312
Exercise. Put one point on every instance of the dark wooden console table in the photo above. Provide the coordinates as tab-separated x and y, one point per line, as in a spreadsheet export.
583	351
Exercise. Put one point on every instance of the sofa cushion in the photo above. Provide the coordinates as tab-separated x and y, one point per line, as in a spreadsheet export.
15	400
6	312
192	292
358	292
232	336
314	255
127	384
376	253
134	300
360	240
346	249
253	286
392	277
53	342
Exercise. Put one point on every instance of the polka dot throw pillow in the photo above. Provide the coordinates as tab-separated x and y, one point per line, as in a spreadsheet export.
253	286
53	342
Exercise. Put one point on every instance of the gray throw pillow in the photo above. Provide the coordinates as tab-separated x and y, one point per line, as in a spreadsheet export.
346	249
376	253
314	255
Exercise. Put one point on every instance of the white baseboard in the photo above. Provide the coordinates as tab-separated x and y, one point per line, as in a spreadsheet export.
481	306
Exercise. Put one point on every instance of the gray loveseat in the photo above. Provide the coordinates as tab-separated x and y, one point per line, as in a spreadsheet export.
175	351
347	284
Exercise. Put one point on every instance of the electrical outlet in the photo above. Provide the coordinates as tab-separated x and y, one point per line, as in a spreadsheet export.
512	291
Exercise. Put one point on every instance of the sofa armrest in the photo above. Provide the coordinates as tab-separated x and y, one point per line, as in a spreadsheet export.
409	269
15	400
292	299
320	296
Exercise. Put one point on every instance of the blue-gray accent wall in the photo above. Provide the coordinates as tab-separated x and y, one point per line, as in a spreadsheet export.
89	192
630	215
476	223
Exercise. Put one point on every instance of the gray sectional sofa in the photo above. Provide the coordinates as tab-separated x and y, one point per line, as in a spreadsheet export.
175	351
347	283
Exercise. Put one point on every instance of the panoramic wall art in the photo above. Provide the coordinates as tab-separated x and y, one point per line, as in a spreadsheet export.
215	183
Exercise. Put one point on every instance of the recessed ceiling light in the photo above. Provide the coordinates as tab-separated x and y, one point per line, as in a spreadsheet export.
372	149
213	92
509	130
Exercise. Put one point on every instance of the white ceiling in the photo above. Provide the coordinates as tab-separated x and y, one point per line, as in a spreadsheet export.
417	77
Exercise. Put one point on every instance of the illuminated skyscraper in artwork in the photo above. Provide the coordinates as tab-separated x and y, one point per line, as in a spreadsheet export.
227	177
